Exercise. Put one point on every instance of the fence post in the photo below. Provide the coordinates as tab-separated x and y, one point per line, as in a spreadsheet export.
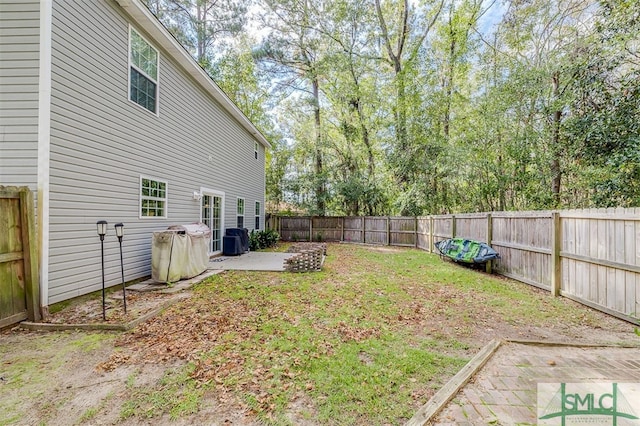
310	229
342	233
363	228
453	226
415	229
388	230
430	234
556	243
489	264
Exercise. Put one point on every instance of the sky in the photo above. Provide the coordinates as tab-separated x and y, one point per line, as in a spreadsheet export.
493	16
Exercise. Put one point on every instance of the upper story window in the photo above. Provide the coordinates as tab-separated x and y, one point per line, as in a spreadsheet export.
240	213
153	197
143	72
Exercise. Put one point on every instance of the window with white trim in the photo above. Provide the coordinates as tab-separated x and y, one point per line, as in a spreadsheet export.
153	197
257	215
143	72
240	213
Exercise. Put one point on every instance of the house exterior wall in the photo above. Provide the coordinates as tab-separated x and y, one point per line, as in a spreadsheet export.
19	51
101	143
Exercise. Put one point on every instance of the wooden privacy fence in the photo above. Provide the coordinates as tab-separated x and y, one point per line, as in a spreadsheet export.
591	256
19	288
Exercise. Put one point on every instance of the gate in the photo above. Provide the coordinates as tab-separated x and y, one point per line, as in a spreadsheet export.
19	289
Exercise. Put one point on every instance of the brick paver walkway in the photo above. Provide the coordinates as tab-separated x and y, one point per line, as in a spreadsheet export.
504	391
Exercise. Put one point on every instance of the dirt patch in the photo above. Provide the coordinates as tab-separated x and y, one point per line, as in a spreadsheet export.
89	310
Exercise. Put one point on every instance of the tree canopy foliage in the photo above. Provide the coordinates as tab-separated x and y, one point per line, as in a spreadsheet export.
431	106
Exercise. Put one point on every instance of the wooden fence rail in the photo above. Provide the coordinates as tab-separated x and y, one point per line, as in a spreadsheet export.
591	256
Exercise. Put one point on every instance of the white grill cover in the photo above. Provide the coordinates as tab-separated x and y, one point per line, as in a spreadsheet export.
177	255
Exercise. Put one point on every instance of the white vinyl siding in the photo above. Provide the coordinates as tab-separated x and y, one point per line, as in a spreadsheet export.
101	143
19	70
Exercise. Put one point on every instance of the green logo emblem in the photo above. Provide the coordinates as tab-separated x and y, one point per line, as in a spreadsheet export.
586	403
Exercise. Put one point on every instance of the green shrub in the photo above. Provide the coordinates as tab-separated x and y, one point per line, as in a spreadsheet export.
263	239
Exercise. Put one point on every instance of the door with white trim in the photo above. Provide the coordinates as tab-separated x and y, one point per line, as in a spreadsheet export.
212	217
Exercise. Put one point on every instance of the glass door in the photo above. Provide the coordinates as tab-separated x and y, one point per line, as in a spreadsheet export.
212	217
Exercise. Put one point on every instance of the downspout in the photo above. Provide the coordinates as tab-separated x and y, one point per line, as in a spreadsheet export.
44	142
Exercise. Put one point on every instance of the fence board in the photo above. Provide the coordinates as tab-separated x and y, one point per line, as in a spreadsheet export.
403	231
295	228
473	227
442	228
524	244
424	234
376	230
326	228
19	287
354	229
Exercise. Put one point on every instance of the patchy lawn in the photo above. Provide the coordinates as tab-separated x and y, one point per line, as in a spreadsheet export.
366	341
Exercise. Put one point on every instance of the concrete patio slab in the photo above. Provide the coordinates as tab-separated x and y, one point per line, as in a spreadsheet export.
252	261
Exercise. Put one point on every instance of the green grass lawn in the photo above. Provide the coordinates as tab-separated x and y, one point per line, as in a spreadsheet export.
365	341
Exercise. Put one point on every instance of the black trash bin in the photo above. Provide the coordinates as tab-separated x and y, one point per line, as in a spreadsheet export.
232	245
243	233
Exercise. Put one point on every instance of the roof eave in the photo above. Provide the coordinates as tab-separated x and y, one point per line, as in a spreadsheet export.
147	21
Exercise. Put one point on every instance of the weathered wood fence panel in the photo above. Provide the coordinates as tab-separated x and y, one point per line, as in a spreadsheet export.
376	230
443	227
295	228
403	231
472	226
19	287
600	255
353	229
424	234
326	228
524	243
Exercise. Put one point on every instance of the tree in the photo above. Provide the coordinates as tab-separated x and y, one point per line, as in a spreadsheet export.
402	45
200	24
292	53
604	119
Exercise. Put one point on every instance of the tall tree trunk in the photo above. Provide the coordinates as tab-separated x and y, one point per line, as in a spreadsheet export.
396	60
448	79
320	185
556	172
363	126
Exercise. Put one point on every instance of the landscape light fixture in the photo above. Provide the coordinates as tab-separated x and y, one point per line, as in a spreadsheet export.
120	233
102	231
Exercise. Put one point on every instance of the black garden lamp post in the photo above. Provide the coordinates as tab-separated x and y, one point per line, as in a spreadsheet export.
120	233
102	231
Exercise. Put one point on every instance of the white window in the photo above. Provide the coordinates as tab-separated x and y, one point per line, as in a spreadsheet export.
143	72
153	197
257	215
255	150
240	213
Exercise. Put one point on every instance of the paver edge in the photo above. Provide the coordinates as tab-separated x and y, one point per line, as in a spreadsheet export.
451	388
575	344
